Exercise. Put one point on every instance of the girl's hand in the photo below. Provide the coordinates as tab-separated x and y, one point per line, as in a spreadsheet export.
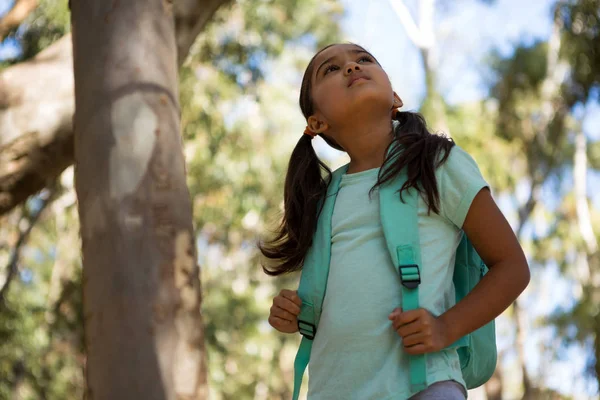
420	331
285	311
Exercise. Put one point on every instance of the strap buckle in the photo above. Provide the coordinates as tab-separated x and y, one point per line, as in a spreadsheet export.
410	276
307	329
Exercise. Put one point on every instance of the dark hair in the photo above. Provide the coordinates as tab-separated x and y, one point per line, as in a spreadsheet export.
413	147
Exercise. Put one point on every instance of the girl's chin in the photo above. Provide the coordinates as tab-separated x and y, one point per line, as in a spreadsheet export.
362	111
364	99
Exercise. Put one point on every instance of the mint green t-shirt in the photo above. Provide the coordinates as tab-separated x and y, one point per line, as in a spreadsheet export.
356	353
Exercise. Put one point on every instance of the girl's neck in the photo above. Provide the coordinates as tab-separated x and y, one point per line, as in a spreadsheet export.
367	144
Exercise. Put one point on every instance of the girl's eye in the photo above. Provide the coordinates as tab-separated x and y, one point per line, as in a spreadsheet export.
330	68
365	58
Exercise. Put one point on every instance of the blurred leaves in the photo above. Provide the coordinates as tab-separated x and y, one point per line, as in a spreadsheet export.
581	35
41	331
237	146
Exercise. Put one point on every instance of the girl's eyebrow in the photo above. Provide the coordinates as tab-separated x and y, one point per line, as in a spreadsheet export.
354	51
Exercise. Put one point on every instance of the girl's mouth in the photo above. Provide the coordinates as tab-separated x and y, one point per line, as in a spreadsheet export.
356	79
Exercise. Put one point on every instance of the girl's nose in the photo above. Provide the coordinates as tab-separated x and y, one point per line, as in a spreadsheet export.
352	67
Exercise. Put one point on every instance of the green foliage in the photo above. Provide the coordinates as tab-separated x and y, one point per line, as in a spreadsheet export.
41	332
518	89
581	35
48	23
528	127
594	155
535	113
237	147
473	127
246	36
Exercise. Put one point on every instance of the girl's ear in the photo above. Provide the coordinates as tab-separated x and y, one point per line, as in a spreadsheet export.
397	101
317	125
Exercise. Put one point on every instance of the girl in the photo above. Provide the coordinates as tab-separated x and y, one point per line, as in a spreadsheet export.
362	345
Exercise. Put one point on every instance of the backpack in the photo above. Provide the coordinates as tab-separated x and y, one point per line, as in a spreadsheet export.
477	351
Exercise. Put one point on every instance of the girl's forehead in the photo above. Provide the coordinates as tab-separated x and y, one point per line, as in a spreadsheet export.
334	50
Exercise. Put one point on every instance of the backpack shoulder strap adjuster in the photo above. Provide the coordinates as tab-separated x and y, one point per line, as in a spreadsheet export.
307	329
410	276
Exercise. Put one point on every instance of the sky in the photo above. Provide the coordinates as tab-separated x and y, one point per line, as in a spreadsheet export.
467	31
5	5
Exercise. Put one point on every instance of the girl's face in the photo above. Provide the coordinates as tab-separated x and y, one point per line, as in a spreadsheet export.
346	81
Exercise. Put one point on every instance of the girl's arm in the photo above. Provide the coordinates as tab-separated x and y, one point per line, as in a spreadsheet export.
494	240
496	243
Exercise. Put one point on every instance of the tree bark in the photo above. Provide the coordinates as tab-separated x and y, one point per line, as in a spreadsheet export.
36	111
590	254
494	387
36	108
143	326
597	346
191	16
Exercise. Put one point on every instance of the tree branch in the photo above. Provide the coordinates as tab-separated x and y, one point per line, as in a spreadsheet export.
191	17
37	106
426	19
412	30
17	14
36	116
526	209
13	263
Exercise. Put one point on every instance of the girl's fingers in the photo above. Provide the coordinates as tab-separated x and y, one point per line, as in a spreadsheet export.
283	314
282	325
416	349
396	311
286	304
414	339
406	329
291	295
284	311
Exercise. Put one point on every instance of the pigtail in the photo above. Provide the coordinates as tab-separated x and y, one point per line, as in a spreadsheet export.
413	147
305	186
421	153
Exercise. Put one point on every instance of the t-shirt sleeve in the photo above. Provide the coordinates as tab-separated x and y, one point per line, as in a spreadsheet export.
459	180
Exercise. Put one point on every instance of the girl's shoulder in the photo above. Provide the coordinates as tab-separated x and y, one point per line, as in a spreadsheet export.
458	180
458	160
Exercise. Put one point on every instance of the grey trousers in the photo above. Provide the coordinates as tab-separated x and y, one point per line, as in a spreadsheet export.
445	390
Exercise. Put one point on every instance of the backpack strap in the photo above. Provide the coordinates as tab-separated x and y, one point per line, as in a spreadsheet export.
300	363
313	280
399	220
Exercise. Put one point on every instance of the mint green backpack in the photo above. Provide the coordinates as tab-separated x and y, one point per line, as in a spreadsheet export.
477	351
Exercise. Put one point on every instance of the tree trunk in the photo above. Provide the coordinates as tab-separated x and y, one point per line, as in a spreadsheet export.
494	387
597	346
141	286
36	108
521	333
584	221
